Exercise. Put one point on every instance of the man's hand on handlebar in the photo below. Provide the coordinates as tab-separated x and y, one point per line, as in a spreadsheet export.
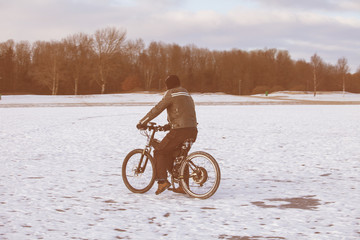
141	126
153	126
166	127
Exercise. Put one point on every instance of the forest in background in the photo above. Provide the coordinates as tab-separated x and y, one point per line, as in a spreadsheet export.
107	62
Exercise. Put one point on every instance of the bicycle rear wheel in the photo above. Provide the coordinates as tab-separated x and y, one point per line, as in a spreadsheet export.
138	171
204	175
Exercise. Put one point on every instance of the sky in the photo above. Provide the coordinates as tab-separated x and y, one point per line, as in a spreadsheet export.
329	28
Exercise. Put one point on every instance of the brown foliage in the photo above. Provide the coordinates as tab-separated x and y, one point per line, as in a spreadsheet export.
130	83
82	63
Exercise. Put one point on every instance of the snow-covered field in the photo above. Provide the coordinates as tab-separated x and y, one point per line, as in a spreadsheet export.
145	99
288	171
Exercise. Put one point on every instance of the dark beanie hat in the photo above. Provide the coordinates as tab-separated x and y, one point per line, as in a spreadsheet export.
172	81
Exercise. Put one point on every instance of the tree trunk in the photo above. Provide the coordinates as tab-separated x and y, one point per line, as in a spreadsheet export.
102	80
76	85
57	83
240	81
103	88
315	83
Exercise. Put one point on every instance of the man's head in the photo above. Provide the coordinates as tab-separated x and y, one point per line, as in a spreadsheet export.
172	81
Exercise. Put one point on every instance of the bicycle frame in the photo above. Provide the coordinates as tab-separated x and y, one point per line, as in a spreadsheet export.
148	149
189	170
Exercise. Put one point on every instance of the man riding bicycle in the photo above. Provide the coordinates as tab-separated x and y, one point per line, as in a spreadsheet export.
182	125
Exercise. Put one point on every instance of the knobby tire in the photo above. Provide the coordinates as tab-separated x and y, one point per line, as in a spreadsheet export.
211	181
138	183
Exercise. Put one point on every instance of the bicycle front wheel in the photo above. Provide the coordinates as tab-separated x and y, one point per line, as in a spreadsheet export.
138	171
204	175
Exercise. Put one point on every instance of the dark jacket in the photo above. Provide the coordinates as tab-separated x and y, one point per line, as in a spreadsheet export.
180	109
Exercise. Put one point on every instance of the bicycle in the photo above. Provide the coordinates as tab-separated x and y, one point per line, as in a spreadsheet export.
198	173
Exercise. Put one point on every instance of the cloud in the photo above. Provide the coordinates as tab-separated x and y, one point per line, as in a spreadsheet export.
348	5
303	33
325	5
328	27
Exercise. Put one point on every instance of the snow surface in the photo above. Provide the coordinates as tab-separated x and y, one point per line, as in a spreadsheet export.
288	171
146	98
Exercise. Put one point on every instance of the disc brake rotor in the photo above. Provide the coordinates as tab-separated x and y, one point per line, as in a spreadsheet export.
200	175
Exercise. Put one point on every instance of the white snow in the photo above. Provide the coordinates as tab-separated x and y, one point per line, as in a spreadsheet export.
145	98
288	171
320	96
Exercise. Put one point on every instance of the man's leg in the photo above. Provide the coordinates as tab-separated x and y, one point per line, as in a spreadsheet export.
160	160
163	159
164	151
189	133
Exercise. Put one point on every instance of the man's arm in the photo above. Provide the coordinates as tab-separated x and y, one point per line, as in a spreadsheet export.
155	111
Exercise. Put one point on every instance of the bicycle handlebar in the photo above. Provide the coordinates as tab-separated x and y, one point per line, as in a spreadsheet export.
153	126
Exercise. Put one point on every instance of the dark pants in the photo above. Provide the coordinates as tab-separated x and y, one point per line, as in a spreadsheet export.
164	151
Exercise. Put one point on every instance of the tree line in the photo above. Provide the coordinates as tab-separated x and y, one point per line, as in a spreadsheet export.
107	62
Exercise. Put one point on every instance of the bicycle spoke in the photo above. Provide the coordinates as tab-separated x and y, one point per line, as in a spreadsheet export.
138	174
204	176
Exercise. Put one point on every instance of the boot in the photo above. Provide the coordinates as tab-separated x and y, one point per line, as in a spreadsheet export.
162	186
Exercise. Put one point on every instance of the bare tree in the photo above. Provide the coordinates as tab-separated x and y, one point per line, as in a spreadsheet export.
111	64
343	69
150	63
48	61
107	43
23	60
315	63
78	49
132	63
7	66
133	51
